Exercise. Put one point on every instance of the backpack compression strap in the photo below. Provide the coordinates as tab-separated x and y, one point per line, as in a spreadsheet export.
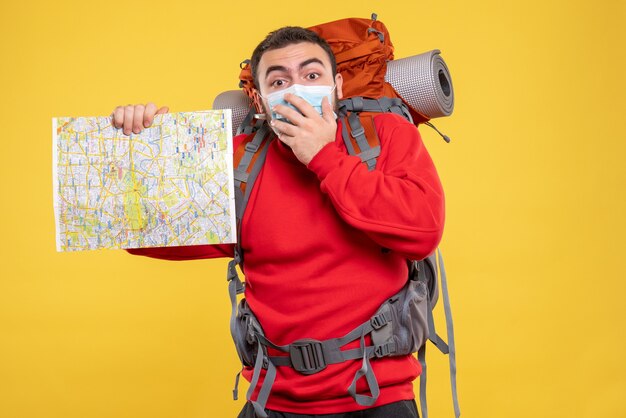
382	105
440	344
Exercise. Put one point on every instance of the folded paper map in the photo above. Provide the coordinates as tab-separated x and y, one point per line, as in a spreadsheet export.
170	185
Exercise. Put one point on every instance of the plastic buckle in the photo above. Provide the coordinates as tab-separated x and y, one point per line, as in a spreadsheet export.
307	356
240	176
251	147
379	320
357	132
384	349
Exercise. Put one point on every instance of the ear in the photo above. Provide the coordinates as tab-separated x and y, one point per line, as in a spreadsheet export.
257	101
339	84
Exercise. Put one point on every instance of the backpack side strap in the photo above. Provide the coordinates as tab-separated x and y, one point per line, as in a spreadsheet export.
440	344
450	330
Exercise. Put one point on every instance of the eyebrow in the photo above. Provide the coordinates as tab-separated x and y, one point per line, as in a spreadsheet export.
301	66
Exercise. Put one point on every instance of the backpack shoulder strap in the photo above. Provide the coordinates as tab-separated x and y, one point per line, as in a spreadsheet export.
248	161
361	139
358	128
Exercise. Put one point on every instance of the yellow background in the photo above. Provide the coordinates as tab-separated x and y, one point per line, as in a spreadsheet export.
534	182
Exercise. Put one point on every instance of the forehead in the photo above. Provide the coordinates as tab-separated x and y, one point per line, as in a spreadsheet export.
291	56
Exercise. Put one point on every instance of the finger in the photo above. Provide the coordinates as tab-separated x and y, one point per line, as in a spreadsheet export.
302	105
148	114
327	110
286	139
161	111
128	119
284	127
138	118
293	115
118	116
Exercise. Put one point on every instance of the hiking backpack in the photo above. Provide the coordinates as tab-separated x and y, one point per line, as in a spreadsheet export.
404	322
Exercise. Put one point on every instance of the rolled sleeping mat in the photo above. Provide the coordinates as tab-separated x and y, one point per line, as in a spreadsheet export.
422	80
236	100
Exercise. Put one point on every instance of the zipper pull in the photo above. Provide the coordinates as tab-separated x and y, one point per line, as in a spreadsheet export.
445	137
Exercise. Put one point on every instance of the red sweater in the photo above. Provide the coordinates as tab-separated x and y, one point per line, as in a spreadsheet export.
313	239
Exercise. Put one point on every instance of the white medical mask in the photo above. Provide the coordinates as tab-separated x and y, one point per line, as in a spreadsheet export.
311	94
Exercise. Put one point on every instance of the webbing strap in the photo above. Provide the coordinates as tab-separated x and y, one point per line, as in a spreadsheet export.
331	354
357	131
382	105
331	348
235	287
346	136
432	334
330	344
370	378
421	356
236	388
450	329
331	357
241	174
241	199
397	106
254	172
259	405
246	126
366	327
266	387
440	344
367	153
258	365
311	356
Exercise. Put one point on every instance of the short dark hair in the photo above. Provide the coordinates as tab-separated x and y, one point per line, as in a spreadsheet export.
286	36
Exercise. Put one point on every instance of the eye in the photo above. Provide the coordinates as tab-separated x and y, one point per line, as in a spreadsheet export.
278	83
312	76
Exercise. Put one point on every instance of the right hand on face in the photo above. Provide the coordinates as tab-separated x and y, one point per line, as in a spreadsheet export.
133	118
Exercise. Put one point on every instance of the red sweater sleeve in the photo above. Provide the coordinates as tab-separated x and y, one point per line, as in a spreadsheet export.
187	252
399	204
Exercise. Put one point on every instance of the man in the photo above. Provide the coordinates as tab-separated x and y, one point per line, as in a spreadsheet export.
325	240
